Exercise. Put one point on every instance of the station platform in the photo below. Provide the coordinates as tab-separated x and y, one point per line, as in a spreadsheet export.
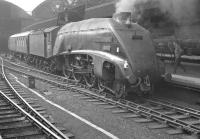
190	77
185	58
187	81
192	57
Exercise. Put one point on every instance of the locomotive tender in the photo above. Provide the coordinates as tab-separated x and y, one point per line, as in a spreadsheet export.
109	53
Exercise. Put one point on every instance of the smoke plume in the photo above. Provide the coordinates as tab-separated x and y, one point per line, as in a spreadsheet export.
179	10
127	5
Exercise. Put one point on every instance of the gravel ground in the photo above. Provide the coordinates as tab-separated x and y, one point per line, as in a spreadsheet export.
96	114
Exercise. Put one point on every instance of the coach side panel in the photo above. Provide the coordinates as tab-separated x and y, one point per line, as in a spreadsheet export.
22	45
12	44
37	44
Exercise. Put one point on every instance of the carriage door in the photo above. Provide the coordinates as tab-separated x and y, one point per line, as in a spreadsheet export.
49	44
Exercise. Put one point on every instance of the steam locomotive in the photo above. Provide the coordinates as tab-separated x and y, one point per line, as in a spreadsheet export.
111	54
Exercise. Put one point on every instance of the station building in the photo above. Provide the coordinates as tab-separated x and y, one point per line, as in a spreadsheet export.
12	20
46	15
152	15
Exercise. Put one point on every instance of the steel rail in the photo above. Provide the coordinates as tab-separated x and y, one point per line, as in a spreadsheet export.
129	106
176	105
42	72
37	118
175	84
185	110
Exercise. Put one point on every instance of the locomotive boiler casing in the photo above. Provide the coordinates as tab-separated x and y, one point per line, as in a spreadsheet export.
129	48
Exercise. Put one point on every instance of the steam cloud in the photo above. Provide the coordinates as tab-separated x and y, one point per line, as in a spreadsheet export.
178	9
181	10
125	6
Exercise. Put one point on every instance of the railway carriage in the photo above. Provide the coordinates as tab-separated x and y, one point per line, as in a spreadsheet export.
19	44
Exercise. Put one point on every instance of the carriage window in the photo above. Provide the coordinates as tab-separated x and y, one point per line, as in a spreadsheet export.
22	42
48	37
19	41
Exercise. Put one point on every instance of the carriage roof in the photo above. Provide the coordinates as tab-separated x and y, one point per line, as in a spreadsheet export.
23	34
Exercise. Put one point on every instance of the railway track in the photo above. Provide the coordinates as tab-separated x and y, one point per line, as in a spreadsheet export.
20	117
180	120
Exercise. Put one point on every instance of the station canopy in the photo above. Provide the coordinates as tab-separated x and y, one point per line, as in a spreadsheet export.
27	5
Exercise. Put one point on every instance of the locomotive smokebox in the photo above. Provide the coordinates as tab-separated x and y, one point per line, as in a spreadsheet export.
122	17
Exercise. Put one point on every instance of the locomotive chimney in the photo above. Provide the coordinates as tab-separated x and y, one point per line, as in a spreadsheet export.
122	17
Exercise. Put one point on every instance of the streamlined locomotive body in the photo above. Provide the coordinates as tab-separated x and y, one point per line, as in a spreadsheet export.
105	53
114	56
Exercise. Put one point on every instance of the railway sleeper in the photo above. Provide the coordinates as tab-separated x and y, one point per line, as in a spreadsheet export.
14	125
11	120
25	132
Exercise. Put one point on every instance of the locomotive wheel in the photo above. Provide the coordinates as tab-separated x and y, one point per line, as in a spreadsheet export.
67	72
151	92
77	67
52	68
120	90
90	79
101	85
77	77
